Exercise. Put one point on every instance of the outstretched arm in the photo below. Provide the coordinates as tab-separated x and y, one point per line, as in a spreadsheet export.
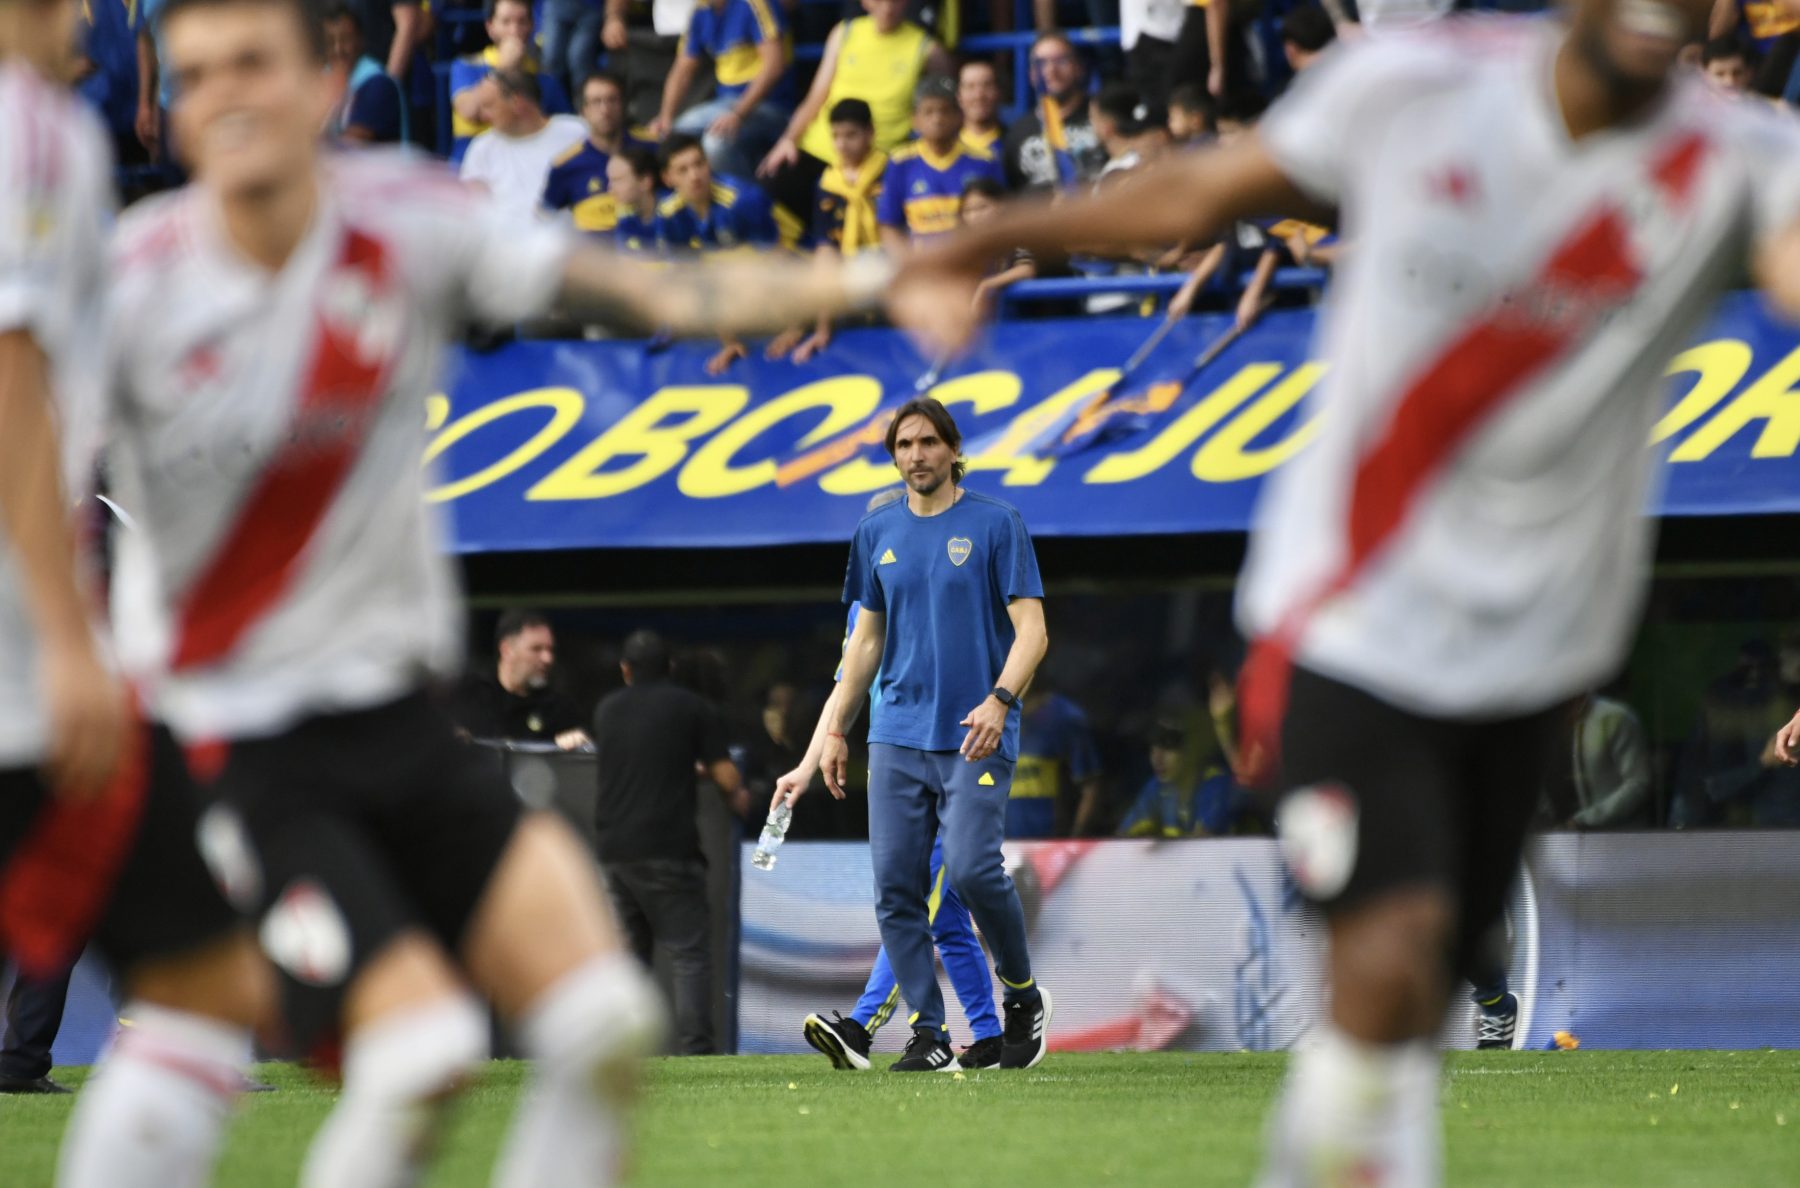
763	294
1192	196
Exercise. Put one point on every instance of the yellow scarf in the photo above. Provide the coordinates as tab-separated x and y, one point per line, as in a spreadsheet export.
859	202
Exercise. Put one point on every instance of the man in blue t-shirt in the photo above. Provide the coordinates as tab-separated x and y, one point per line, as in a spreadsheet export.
846	1041
953	620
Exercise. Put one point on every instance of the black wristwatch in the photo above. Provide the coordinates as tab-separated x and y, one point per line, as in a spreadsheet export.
1003	696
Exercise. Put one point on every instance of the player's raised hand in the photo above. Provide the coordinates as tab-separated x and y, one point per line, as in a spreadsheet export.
1787	742
986	722
834	762
90	718
930	299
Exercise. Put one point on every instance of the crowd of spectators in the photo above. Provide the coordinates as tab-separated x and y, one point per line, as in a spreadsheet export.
705	126
1124	742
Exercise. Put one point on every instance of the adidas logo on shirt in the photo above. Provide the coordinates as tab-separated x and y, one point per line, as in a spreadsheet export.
888	558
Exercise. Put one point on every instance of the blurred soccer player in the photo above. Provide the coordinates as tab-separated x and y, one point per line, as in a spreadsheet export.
96	816
279	325
1461	550
953	620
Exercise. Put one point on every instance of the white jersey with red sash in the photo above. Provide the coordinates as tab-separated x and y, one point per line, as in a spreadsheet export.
1465	537
55	209
267	431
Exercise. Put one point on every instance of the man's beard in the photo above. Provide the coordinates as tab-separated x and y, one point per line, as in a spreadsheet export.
928	486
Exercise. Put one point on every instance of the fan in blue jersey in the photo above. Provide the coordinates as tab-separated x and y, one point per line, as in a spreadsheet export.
846	1041
513	32
923	188
631	176
579	180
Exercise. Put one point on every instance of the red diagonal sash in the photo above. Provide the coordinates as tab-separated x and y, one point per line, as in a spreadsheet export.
259	556
1592	271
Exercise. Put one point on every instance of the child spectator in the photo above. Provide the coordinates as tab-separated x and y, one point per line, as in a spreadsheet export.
843	214
923	188
1190	116
1168	807
631	177
1305	32
1726	64
510	28
709	215
751	49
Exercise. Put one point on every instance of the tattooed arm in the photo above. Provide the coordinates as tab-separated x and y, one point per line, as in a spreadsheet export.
748	295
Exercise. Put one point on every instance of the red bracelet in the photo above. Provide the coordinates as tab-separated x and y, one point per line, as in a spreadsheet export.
832	734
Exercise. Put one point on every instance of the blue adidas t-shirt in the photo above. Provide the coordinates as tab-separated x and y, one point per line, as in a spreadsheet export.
944	583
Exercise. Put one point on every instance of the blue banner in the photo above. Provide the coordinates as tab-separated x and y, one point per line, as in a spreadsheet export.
555	445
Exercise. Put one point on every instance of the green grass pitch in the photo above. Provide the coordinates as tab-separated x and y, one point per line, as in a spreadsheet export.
1531	1119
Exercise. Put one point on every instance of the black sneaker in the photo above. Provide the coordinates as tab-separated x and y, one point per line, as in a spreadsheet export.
844	1041
1495	1025
31	1085
983	1053
926	1051
1027	1035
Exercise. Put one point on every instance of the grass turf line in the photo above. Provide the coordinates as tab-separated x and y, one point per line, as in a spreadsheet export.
1645	1119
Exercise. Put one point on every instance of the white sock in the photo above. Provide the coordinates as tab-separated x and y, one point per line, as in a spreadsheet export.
155	1112
1357	1113
585	1035
398	1075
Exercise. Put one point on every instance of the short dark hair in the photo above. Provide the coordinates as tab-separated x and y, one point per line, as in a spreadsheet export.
1192	97
1308	27
984	186
934	411
516	622
641	160
647	654
676	144
1126	107
968	62
606	76
306	12
936	86
520	83
1720	49
852	111
339	11
493	8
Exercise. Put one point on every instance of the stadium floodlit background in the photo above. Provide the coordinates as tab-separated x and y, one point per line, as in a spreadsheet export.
619	484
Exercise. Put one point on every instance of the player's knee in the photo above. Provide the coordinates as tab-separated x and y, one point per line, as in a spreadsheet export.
420	1052
973	871
227	981
606	1013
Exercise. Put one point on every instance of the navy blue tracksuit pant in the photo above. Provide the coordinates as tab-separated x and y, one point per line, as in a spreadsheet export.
914	798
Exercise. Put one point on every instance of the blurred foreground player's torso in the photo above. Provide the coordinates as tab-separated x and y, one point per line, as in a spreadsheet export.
1498	341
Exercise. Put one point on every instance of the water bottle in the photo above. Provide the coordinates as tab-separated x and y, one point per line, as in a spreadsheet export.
774	830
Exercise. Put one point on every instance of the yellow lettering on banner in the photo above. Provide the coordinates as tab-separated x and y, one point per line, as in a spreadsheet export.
437	411
1187	428
565	405
1224	458
1027	470
1721	366
986	391
1771	398
641	434
709	474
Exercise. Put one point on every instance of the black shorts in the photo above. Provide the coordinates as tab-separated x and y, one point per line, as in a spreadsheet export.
348	830
123	872
1378	798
